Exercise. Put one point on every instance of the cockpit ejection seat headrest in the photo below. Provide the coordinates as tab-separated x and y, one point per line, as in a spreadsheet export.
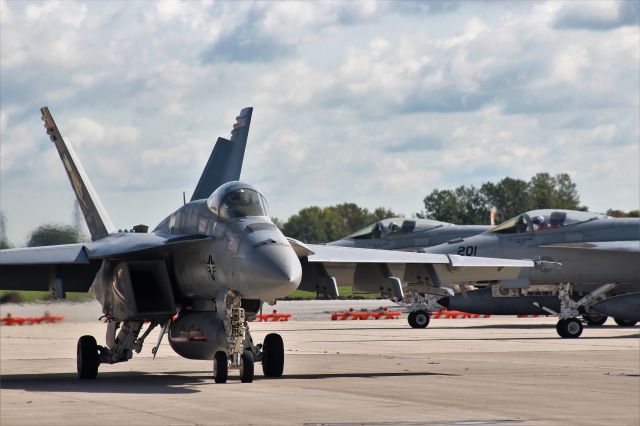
557	219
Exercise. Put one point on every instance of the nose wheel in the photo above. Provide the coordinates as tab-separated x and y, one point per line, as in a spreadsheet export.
246	366
220	367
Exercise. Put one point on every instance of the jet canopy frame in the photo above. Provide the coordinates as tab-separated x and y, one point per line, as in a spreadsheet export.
237	200
545	219
395	227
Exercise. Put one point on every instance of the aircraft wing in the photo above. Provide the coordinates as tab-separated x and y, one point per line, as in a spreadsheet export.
34	268
610	246
367	270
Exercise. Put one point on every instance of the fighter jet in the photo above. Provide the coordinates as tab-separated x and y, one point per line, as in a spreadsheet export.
593	268
409	234
206	269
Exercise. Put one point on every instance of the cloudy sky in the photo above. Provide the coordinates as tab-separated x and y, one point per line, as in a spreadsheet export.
376	103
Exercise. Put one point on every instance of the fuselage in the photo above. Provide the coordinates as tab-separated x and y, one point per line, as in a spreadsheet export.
246	254
409	234
591	252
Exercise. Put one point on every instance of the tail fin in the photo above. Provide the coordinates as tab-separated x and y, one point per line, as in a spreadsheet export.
225	161
96	217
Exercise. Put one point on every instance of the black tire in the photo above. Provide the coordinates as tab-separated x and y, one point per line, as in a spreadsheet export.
88	358
411	319
625	323
594	319
272	355
246	367
420	319
220	367
570	328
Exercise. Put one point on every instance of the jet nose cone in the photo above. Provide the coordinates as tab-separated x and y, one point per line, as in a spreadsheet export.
276	271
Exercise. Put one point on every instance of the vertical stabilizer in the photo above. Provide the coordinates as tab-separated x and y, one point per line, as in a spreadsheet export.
98	222
225	161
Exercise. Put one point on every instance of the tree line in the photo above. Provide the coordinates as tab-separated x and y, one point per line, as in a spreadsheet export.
464	205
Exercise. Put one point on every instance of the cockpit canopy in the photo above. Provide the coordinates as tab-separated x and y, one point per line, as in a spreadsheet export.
237	199
394	227
542	220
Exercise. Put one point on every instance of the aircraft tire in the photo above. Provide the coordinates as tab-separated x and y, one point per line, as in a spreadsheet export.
247	367
87	357
419	319
220	367
273	355
594	319
625	323
411	319
569	328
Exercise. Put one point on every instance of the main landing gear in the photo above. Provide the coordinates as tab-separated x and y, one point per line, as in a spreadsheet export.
241	353
119	349
569	326
418	319
420	308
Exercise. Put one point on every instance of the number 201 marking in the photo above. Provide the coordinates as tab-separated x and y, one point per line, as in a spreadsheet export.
467	250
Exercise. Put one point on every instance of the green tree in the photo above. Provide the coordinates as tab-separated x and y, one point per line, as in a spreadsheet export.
4	242
541	189
308	225
566	193
321	225
441	205
509	197
620	213
468	205
53	234
382	213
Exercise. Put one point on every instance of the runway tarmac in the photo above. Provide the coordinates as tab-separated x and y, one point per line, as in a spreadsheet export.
495	371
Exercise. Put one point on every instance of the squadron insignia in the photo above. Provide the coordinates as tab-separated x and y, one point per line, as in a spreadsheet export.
211	267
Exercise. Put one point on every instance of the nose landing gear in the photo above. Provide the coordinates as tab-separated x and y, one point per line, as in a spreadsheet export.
241	353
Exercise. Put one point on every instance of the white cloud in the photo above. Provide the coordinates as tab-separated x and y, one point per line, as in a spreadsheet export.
372	102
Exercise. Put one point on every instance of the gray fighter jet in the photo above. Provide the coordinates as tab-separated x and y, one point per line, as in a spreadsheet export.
206	269
599	274
409	234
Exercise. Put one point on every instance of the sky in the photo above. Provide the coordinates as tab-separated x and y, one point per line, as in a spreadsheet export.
376	103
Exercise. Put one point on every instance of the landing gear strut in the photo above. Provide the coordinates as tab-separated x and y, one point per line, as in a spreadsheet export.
569	326
119	349
240	352
420	307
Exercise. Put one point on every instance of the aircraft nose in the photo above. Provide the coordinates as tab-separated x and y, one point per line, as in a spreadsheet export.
276	271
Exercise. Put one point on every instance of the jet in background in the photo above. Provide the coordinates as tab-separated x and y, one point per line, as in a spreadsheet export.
207	268
409	234
599	274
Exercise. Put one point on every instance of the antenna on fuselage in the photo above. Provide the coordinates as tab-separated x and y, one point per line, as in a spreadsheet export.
184	197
